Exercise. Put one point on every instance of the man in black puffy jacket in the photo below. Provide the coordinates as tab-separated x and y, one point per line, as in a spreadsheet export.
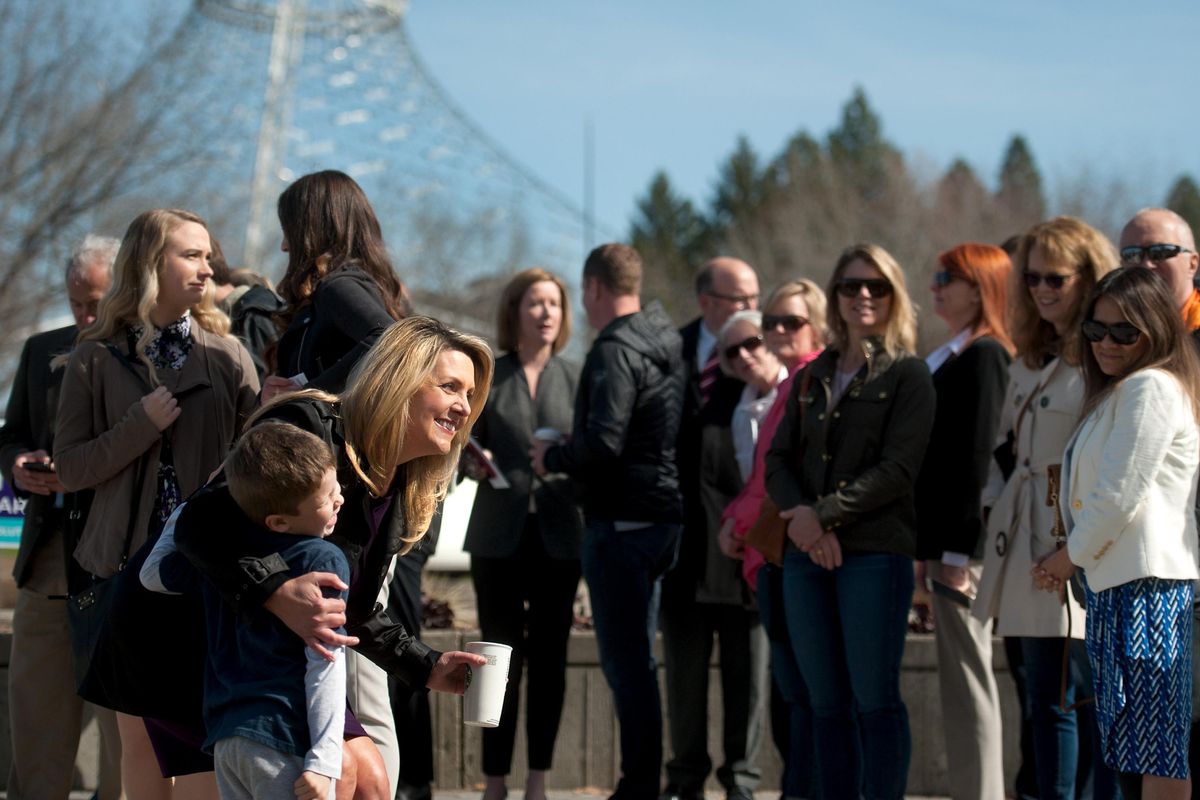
621	454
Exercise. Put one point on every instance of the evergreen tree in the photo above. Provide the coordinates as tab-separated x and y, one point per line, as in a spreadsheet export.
859	152
1020	193
1184	200
741	188
672	238
959	188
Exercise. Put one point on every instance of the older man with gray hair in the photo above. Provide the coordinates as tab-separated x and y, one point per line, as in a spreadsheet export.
45	714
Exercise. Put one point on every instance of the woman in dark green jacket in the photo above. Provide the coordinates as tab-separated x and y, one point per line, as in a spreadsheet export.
842	467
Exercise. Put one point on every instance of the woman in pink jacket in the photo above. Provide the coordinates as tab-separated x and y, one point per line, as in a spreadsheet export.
793	325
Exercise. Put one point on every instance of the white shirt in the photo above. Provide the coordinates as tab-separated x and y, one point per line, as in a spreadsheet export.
744	424
706	342
954	347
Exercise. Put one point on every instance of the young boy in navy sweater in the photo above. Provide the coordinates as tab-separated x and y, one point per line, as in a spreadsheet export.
274	709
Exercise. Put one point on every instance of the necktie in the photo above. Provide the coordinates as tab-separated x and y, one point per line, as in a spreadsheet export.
708	376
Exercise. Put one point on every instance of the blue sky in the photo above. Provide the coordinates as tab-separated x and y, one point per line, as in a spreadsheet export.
1104	89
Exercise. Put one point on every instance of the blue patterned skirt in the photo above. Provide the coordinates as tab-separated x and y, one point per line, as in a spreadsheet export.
1139	641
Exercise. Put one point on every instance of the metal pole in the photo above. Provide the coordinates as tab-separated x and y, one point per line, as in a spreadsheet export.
286	39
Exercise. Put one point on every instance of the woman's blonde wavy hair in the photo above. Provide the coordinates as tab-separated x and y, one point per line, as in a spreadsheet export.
374	409
900	334
134	289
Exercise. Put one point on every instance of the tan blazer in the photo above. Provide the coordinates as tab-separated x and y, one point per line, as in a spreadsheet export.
103	430
1042	406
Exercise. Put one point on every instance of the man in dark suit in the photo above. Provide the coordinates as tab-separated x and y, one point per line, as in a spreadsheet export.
45	714
704	595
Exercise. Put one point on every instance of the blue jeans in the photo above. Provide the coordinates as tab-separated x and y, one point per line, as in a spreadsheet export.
796	739
623	570
848	628
1057	734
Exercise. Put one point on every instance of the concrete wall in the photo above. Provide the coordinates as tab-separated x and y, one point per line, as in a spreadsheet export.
587	753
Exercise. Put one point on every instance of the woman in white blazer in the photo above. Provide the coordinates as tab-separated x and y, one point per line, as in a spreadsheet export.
1056	266
1128	510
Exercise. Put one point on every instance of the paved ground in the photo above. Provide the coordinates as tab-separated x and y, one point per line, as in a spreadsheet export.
579	794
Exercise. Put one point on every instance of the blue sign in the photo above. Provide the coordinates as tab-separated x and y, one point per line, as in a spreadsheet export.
12	517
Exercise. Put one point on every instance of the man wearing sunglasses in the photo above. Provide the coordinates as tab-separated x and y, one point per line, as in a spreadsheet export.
704	595
1161	240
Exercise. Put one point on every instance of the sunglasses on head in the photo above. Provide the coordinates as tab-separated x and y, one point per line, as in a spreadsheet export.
852	287
1053	280
749	344
1156	253
790	322
1121	333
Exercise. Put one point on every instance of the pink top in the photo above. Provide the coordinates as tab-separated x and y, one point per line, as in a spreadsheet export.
744	508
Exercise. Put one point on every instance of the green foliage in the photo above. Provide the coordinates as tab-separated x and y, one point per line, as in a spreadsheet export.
673	239
1020	194
1184	200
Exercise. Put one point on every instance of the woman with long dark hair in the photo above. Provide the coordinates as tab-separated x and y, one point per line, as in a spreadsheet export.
340	287
1129	478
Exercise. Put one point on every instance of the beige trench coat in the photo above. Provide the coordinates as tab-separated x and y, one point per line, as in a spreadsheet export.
103	430
1019	528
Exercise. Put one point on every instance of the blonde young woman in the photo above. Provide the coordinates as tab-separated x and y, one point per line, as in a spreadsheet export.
1056	266
842	466
156	388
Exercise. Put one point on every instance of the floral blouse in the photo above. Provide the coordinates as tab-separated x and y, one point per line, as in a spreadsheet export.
168	349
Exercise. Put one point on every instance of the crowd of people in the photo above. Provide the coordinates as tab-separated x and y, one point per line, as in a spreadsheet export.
259	474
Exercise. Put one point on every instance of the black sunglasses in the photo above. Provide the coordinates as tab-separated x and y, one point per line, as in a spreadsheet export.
790	322
943	278
852	287
1157	253
1121	333
1053	280
749	344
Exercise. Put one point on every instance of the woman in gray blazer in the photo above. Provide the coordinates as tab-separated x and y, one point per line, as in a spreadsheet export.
524	539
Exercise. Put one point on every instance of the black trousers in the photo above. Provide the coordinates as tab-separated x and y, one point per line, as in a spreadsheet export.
414	723
527	601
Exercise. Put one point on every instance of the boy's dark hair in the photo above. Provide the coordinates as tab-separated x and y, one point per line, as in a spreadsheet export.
274	467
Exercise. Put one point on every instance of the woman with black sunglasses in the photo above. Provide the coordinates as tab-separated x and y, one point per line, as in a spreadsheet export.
970	373
842	466
1129	476
1056	265
793	329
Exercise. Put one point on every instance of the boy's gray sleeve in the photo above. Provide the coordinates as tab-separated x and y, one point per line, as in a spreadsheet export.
325	694
165	569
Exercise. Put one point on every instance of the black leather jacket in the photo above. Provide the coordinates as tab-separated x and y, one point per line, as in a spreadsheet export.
855	462
622	448
327	337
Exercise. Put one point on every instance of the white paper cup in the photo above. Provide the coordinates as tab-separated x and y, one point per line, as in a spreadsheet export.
484	699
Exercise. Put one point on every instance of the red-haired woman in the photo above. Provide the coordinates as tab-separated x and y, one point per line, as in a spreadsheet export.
970	373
